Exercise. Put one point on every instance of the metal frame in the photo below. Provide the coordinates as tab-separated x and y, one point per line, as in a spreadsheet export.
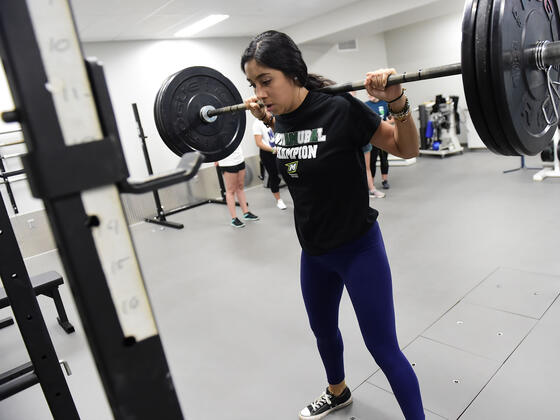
44	368
159	218
208	200
548	172
73	176
4	175
6	178
521	166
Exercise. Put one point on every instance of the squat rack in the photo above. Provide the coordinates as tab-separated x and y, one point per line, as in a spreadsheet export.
75	164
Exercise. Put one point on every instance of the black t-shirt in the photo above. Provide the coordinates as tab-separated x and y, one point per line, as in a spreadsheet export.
319	151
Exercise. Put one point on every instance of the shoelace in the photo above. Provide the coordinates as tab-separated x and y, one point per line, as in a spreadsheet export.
322	400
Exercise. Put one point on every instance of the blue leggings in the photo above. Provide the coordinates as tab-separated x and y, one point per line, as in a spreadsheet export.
363	268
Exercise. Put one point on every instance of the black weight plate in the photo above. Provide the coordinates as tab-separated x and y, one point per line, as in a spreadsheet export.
159	124
468	73
178	111
179	149
484	79
157	118
520	88
184	128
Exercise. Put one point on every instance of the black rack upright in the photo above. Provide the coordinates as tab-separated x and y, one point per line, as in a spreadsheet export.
75	163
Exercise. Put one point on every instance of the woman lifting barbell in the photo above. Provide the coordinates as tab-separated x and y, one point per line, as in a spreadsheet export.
319	139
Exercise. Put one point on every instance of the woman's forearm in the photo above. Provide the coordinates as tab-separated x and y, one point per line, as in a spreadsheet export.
406	133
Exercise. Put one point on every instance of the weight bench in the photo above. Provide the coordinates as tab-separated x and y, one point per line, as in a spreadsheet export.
43	284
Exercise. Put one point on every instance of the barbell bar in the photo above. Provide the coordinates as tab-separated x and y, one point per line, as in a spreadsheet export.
423	74
509	64
545	55
208	113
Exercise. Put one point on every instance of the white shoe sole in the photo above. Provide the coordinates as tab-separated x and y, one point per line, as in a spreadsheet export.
320	416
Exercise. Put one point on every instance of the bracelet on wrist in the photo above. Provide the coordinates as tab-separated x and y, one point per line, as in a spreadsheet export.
399	97
393	112
403	114
267	121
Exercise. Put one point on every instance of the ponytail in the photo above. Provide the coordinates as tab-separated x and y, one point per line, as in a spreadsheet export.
316	81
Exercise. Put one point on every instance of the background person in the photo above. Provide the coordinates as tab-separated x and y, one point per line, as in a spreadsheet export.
233	171
381	108
264	138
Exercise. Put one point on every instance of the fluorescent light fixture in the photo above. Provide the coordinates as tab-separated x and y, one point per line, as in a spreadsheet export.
201	25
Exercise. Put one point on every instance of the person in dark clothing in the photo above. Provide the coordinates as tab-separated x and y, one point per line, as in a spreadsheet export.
319	139
264	139
382	109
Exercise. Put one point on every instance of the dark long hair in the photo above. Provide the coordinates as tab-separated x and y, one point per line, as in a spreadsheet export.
278	51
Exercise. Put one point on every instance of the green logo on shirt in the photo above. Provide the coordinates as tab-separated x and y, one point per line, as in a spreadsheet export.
292	167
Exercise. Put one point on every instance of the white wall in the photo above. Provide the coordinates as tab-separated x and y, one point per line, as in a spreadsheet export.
430	43
346	66
135	72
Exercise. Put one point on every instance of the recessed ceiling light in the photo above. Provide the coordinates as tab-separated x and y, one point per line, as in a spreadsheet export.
201	25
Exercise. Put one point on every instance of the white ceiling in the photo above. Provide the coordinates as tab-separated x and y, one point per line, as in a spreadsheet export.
304	20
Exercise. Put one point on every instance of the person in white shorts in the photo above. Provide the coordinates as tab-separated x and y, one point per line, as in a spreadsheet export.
233	171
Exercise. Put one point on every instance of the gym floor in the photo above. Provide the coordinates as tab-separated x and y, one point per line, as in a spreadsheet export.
476	279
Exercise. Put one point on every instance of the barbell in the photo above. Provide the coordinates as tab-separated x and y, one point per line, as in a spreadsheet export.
509	65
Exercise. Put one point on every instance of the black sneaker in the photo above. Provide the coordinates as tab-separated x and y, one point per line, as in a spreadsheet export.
236	223
385	185
250	216
325	404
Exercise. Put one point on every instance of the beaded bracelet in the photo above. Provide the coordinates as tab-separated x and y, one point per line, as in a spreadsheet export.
403	114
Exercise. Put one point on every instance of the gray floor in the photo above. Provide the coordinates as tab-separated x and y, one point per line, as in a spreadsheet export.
476	273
